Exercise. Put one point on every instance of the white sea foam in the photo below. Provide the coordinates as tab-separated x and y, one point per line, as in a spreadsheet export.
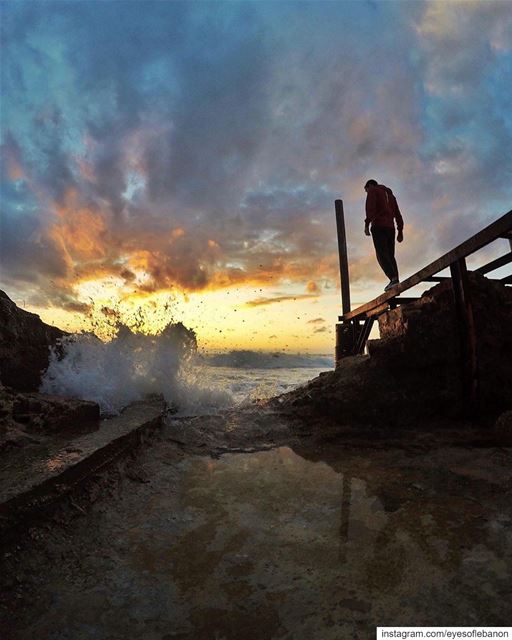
133	365
128	368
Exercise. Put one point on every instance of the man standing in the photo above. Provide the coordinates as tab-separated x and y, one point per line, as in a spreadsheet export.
381	212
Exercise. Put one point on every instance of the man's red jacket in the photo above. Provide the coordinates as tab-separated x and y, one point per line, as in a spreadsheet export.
382	208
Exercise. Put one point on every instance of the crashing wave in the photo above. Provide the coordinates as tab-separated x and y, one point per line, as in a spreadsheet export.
128	368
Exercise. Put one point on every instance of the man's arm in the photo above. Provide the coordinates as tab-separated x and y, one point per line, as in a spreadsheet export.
398	216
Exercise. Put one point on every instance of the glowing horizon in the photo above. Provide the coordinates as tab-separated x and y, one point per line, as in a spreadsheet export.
243	322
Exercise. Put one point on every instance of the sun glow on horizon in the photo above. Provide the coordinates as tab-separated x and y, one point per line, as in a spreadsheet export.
244	317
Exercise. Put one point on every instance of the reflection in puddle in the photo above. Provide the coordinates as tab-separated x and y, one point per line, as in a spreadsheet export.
295	510
362	519
299	510
272	545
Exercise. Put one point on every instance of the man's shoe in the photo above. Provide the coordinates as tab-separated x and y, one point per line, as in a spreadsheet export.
391	284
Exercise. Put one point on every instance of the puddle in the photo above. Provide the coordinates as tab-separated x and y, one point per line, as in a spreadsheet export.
272	528
271	545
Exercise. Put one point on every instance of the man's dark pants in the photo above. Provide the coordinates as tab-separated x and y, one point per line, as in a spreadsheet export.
384	242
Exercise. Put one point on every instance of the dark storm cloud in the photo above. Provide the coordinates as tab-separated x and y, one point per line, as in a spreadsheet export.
204	143
27	255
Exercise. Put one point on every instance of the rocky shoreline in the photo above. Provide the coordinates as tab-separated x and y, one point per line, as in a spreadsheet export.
407	389
345	487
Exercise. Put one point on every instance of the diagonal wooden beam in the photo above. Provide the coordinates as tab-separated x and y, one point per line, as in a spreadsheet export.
476	242
495	264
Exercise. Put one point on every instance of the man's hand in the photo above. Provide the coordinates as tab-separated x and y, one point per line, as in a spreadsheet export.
366	229
400	236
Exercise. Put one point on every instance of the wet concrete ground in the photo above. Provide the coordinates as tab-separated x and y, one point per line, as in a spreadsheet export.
310	542
49	456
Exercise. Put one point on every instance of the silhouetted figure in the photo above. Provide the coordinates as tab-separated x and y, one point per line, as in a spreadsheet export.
381	212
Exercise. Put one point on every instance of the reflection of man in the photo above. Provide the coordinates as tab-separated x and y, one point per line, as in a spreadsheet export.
381	212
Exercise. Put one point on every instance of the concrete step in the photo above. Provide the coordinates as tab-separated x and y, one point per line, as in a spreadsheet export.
37	475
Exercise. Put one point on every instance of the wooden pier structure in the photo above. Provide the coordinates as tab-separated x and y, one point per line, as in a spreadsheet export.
354	326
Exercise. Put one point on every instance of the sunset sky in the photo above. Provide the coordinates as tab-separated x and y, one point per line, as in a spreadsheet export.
183	158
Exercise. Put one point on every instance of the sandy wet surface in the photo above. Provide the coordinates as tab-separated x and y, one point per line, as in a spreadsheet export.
289	543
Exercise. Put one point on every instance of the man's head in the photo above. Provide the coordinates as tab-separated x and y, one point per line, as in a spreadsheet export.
370	184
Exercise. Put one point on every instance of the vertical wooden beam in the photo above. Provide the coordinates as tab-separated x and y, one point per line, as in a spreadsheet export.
467	337
346	338
343	255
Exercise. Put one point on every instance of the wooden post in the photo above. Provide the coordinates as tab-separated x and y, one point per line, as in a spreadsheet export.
345	331
342	251
467	336
346	338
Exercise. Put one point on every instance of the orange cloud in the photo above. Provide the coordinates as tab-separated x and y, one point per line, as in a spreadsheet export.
15	169
265	301
12	159
147	254
79	231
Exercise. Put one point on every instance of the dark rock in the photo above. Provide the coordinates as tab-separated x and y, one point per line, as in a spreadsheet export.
503	428
53	413
419	334
360	391
423	337
25	417
12	434
25	342
413	372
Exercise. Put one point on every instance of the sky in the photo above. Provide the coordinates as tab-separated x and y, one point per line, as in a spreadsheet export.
180	160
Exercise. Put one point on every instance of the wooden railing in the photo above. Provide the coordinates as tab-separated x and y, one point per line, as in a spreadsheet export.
355	326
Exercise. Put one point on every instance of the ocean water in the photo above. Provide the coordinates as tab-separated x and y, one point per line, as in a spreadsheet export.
245	385
133	365
256	384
